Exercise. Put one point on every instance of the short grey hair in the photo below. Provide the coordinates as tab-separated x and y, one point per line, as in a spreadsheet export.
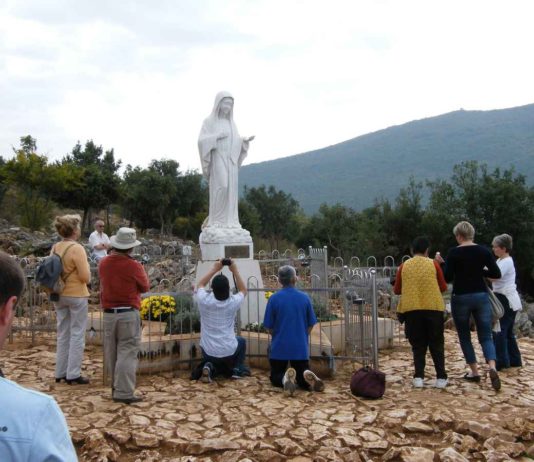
465	230
504	241
286	274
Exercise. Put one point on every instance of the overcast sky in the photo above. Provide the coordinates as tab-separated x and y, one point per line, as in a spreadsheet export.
140	76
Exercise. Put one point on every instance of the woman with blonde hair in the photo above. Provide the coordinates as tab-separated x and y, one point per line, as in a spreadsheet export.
507	351
71	308
466	266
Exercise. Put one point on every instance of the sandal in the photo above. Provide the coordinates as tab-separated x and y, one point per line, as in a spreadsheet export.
471	378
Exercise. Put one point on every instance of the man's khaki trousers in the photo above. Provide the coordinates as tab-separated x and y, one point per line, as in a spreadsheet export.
122	335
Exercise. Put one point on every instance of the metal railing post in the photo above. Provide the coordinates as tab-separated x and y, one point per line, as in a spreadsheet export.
375	319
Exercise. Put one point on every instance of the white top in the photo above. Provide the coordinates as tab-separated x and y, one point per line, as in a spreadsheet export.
217	320
32	427
98	238
506	284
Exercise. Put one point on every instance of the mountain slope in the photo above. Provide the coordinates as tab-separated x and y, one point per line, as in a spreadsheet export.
378	164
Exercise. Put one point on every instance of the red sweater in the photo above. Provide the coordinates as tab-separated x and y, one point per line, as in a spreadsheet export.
122	281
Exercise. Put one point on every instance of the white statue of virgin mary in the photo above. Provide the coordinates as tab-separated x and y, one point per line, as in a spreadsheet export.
222	152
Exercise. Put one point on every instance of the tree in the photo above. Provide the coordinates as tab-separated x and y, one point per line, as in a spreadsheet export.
100	181
335	226
405	220
157	195
36	183
495	203
278	214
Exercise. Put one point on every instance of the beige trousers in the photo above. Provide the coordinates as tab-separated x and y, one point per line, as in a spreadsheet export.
122	335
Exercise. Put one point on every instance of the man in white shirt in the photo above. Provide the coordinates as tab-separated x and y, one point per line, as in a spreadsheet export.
32	427
99	241
222	352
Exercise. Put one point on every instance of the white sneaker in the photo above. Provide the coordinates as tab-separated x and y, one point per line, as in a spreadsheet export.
441	383
417	382
315	383
288	381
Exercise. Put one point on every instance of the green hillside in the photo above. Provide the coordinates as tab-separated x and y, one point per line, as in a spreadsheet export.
378	164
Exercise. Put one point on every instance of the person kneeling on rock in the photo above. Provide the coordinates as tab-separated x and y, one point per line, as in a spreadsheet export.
223	353
289	318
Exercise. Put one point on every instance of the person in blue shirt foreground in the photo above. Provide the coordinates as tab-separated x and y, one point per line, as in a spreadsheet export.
32	427
289	318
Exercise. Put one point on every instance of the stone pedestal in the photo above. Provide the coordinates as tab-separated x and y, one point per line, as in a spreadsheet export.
219	242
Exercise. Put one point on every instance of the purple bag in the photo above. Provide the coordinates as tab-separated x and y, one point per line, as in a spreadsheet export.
368	383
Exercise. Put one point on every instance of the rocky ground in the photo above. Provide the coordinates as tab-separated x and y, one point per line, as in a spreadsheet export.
249	420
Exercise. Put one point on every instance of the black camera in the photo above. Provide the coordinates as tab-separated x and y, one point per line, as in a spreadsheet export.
226	261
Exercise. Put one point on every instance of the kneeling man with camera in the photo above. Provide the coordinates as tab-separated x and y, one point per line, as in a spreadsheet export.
223	353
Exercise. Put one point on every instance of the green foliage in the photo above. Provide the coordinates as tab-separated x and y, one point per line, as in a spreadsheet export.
186	319
335	226
255	327
321	310
249	217
160	196
36	183
494	202
99	182
277	213
189	227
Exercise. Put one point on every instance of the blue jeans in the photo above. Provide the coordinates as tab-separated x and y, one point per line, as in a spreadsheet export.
224	366
478	305
508	354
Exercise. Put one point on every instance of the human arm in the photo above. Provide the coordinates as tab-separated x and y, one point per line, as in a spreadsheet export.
81	264
241	287
95	243
448	271
493	271
397	288
269	317
204	280
51	441
441	279
141	278
506	266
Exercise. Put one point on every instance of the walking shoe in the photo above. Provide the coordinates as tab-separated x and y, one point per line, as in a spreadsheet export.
245	371
133	399
471	378
236	374
417	382
495	380
441	383
207	372
289	381
79	380
316	384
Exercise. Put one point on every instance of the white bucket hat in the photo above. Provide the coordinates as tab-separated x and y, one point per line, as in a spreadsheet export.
125	238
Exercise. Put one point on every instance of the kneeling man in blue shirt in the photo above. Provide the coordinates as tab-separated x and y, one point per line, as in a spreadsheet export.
289	318
32	427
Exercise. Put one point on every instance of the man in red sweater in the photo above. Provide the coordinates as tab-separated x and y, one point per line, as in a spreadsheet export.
122	281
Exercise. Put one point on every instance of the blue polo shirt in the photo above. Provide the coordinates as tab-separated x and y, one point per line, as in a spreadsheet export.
32	427
289	314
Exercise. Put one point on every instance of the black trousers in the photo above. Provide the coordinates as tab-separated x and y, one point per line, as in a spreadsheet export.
279	367
424	329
